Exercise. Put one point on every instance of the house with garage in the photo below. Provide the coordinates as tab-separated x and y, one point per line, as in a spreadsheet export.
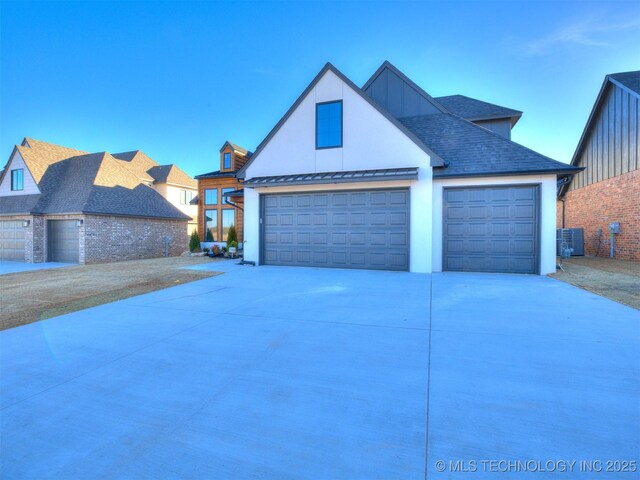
605	196
388	177
220	199
59	204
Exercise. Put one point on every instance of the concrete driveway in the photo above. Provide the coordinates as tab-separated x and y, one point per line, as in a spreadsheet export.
309	373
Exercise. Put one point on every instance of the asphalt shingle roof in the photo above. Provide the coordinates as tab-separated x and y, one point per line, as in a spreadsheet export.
473	109
631	80
171	174
471	150
95	183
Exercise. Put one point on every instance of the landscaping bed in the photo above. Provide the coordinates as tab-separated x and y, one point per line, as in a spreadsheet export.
30	296
617	280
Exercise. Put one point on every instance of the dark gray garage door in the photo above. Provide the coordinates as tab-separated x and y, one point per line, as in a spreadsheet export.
491	229
11	240
63	241
355	229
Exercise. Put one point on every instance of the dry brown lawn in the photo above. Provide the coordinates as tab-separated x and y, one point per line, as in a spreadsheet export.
30	296
618	280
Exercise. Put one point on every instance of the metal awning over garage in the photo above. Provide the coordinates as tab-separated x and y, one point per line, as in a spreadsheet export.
408	173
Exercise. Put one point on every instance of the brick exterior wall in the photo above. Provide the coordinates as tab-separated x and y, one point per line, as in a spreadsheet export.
110	239
595	206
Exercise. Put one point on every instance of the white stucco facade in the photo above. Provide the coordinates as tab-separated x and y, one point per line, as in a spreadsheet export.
371	141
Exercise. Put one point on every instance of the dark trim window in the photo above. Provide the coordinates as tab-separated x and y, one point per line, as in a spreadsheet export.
226	190
329	125
227	161
228	220
211	225
17	179
185	197
211	196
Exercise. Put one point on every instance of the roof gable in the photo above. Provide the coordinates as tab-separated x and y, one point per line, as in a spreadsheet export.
398	94
435	160
629	81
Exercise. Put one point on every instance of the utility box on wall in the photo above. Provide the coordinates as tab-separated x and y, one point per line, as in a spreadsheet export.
574	238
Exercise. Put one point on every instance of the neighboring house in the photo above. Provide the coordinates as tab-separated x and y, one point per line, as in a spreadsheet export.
220	197
608	190
387	177
168	180
66	205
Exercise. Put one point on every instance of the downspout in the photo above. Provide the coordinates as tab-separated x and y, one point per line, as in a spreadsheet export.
563	200
235	205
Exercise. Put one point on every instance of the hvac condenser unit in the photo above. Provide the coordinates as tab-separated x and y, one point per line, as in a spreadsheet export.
574	238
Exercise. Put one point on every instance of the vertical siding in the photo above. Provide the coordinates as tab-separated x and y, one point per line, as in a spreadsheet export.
612	146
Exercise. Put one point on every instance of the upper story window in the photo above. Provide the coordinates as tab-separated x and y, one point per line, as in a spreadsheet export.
211	196
227	161
17	179
185	196
329	124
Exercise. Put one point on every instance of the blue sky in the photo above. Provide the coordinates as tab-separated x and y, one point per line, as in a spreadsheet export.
178	79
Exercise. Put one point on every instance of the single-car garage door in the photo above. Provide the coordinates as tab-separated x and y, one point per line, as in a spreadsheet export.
63	241
491	229
344	229
11	240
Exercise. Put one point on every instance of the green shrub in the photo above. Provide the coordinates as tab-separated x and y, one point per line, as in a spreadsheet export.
194	242
233	244
232	236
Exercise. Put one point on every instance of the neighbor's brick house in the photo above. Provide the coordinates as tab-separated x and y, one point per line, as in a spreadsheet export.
608	190
220	197
61	204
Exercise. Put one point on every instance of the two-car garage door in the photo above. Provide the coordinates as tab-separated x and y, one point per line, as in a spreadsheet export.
343	229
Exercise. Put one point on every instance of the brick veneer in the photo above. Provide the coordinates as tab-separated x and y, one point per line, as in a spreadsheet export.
595	206
109	239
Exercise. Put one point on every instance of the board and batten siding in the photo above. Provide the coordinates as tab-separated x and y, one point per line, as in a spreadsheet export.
613	145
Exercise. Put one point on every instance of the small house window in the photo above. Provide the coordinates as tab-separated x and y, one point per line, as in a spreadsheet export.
228	220
225	199
185	197
227	161
17	182
329	125
210	225
211	196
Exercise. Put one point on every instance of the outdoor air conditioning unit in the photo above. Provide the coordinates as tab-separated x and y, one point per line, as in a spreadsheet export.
574	238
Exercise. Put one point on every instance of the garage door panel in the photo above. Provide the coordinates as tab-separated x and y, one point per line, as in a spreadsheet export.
505	240
12	235
355	229
63	241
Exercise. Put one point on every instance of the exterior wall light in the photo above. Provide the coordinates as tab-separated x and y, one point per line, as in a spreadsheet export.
79	223
25	223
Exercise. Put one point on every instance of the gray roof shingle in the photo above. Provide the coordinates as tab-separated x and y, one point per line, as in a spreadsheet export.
94	183
631	80
471	150
15	204
473	109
